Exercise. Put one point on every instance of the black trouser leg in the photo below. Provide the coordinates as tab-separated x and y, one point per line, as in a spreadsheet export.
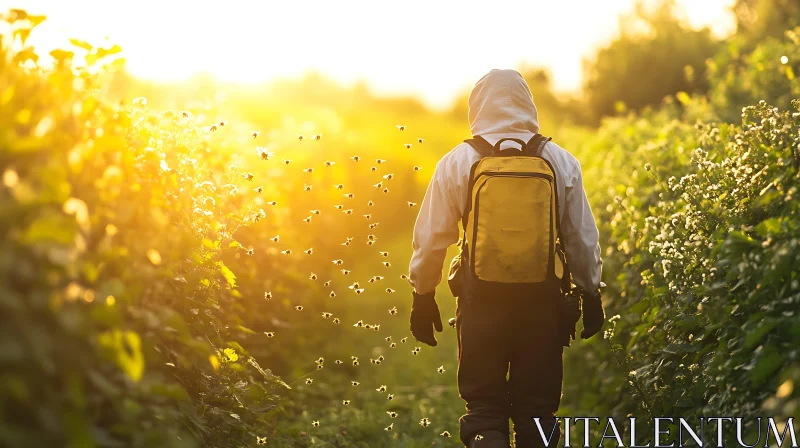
493	333
484	345
536	373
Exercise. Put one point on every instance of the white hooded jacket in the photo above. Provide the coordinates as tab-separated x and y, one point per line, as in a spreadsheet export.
501	106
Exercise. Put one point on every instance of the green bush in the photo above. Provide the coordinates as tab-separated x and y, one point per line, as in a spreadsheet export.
701	248
740	76
119	313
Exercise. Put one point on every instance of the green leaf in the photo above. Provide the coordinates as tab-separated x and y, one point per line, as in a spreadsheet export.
245	329
37	20
23	34
677	348
640	307
81	44
228	274
17	14
213	245
126	348
105	52
61	55
24	55
768	227
754	337
766	365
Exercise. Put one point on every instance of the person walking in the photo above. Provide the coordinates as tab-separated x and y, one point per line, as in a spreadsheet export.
529	236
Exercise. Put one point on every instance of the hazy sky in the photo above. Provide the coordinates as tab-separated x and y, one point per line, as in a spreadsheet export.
430	48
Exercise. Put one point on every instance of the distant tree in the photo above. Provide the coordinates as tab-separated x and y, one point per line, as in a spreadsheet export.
757	19
655	55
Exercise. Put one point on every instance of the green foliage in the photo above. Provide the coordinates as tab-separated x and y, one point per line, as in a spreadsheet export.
769	72
701	244
112	272
758	19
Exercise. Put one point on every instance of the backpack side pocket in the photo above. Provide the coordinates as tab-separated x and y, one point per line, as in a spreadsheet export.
454	277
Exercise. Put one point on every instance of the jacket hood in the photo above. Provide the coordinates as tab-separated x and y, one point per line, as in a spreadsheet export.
501	106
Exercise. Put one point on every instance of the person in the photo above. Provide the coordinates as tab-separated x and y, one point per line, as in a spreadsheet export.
510	350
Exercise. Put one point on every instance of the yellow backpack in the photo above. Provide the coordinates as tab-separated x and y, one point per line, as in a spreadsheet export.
511	222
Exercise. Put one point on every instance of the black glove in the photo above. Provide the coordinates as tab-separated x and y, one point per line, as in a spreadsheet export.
593	314
425	316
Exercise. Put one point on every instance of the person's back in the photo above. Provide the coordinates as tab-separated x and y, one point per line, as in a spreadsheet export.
504	331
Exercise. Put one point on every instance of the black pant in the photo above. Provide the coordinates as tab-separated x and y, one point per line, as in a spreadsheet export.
516	336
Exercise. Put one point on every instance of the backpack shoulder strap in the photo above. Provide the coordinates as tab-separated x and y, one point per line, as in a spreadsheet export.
484	148
536	145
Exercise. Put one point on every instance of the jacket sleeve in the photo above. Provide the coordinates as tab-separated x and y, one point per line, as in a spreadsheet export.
581	238
435	230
